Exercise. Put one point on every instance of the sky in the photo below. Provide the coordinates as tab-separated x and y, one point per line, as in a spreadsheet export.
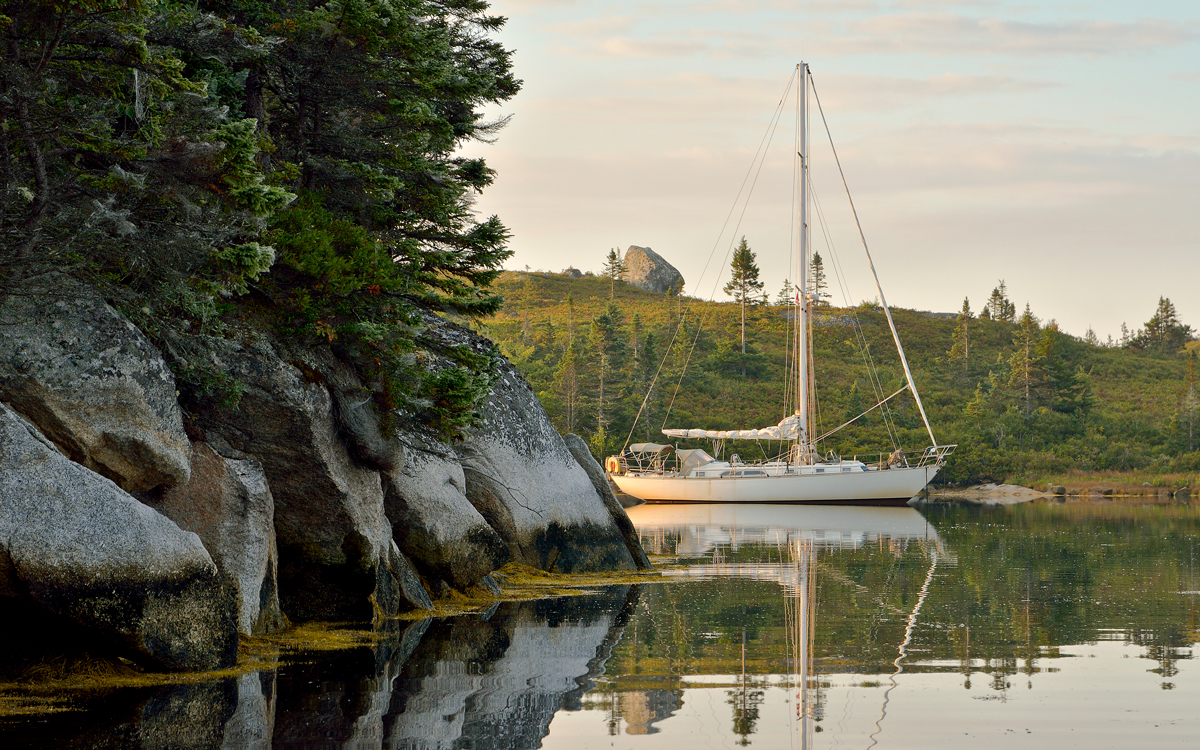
1054	145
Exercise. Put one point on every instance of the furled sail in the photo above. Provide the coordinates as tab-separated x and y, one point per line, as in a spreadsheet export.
788	429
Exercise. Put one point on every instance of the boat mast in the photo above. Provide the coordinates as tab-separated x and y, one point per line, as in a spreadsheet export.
802	293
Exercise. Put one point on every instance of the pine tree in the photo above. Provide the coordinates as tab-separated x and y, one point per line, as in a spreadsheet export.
1163	333
1023	372
744	286
816	280
999	306
962	336
609	347
614	269
568	383
787	294
1091	338
1191	403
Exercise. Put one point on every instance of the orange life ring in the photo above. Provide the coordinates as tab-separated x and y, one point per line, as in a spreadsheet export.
613	465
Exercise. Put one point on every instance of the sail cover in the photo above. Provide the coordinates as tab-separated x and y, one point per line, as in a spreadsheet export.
788	429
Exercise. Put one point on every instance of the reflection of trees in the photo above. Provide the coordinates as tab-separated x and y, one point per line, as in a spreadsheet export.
745	701
1017	584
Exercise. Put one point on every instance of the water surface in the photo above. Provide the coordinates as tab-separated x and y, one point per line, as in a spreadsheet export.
1039	625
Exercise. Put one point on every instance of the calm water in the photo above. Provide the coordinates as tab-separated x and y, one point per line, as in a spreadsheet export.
1040	625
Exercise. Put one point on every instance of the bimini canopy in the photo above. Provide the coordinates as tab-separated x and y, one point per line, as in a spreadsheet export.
788	429
653	448
693	458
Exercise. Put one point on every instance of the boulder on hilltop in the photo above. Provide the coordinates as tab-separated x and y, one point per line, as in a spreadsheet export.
648	270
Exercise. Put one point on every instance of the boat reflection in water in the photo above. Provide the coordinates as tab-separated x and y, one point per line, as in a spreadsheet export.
780	545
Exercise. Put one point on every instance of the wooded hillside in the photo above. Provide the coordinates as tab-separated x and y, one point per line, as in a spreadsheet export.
1022	400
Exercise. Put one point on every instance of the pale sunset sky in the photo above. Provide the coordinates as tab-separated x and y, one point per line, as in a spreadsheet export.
1055	145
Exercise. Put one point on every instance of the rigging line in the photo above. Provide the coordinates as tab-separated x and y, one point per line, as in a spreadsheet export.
688	308
908	631
745	205
903	388
882	299
863	347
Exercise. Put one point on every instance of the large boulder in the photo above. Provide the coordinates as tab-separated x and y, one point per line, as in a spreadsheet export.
92	383
335	542
433	522
527	485
647	270
82	548
583	456
228	504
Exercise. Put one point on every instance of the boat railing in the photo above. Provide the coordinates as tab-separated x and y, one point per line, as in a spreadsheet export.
935	455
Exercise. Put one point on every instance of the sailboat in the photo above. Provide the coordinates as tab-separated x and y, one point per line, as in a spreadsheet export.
799	474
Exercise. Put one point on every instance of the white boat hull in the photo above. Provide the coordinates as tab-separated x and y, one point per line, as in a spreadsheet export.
895	485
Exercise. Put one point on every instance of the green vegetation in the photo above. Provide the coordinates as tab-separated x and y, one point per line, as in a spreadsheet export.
292	160
1024	401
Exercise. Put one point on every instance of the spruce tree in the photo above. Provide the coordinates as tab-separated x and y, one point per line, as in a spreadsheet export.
816	280
614	269
1023	373
999	306
1163	333
961	347
744	286
787	294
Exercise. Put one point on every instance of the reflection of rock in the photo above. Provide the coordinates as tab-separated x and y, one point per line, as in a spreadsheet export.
81	547
253	722
93	384
339	700
498	683
648	270
642	708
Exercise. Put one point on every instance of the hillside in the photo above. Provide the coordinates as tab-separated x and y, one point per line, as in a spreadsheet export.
1054	408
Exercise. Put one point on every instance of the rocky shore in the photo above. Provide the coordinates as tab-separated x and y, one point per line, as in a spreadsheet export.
165	533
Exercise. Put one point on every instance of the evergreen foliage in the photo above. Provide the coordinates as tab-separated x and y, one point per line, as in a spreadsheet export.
614	269
176	154
817	285
999	306
743	285
961	348
1016	413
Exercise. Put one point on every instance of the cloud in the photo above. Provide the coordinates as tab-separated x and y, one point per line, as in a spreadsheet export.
877	93
592	27
950	33
627	47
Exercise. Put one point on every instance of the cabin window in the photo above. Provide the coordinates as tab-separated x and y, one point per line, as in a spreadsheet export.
845	469
820	471
699	473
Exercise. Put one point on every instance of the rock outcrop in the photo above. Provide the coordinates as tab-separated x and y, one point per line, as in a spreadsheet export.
333	536
583	456
93	384
433	522
79	546
115	521
647	270
524	481
228	505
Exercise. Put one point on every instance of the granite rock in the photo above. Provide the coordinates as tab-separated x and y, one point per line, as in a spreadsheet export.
648	270
84	549
92	383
